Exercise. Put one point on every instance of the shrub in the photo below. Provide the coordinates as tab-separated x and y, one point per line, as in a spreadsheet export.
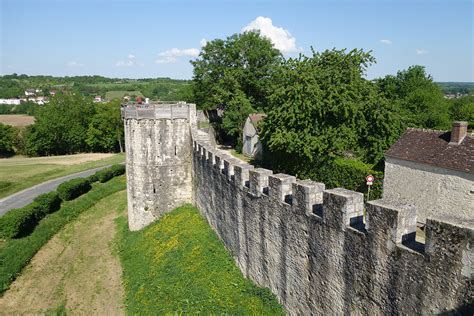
350	174
20	222
73	188
104	175
48	202
93	178
118	169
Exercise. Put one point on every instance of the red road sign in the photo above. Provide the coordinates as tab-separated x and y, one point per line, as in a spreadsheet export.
370	178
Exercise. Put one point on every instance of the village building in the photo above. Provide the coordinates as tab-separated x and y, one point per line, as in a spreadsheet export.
251	144
433	171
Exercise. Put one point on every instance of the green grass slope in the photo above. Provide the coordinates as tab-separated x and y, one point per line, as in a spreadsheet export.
178	265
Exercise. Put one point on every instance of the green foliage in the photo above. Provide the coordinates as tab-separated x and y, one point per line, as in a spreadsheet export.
73	188
48	202
7	140
322	108
16	253
105	132
462	109
118	169
350	174
418	99
104	175
457	87
235	74
179	266
61	126
20	222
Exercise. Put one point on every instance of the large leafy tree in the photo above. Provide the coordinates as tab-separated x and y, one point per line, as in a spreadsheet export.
322	107
7	140
419	100
105	132
235	74
61	126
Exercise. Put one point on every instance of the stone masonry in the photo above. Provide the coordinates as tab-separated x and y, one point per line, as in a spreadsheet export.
319	251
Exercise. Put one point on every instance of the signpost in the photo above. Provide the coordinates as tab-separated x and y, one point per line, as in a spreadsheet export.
370	180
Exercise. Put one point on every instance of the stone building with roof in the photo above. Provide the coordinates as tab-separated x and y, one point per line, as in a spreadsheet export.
434	171
251	144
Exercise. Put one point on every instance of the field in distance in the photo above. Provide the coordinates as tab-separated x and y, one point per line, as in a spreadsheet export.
18	173
16	119
110	95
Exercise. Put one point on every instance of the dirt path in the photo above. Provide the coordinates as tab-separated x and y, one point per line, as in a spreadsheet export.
76	271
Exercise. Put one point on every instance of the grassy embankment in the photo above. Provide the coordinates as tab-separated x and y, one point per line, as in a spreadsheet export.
178	265
18	173
16	253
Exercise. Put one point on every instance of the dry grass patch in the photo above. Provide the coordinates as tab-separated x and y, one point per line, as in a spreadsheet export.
17	119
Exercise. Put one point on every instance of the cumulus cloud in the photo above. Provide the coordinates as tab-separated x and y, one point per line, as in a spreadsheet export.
386	41
172	55
203	42
129	62
421	51
281	38
74	64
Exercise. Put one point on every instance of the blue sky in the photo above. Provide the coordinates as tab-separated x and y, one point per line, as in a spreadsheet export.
138	39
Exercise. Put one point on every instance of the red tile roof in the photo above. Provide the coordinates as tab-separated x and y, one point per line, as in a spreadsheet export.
433	148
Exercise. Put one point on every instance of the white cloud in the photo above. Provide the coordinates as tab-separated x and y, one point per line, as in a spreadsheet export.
172	55
74	64
281	38
386	41
421	51
129	62
203	42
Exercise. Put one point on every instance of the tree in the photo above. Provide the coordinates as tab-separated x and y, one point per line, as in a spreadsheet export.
322	107
462	109
7	139
419	99
235	74
105	132
61	126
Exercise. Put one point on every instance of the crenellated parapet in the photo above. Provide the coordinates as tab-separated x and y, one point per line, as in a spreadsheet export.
326	251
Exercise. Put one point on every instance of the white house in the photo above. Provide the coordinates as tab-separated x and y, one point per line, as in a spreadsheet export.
434	171
251	144
30	92
10	101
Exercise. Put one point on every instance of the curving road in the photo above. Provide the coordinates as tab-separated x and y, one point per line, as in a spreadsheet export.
27	196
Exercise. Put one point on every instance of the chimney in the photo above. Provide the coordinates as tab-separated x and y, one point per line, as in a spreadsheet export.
458	132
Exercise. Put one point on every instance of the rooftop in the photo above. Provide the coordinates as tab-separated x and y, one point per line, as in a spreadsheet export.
433	148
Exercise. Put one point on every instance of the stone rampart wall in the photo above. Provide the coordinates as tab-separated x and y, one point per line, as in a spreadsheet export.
324	251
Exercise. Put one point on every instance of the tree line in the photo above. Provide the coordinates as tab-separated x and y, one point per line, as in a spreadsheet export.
68	124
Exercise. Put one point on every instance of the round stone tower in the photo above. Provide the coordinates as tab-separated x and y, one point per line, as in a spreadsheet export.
158	159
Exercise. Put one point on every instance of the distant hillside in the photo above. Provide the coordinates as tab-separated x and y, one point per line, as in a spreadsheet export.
457	87
14	86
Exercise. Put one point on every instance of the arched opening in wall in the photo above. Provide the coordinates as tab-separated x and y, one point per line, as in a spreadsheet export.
175	151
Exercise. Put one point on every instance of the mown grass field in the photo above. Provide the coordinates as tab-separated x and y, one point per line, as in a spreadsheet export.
109	95
179	266
18	173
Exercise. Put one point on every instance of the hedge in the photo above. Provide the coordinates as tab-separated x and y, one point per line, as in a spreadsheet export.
350	174
106	174
73	188
49	202
21	222
16	253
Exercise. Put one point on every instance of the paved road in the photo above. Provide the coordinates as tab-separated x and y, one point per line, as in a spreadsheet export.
26	196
